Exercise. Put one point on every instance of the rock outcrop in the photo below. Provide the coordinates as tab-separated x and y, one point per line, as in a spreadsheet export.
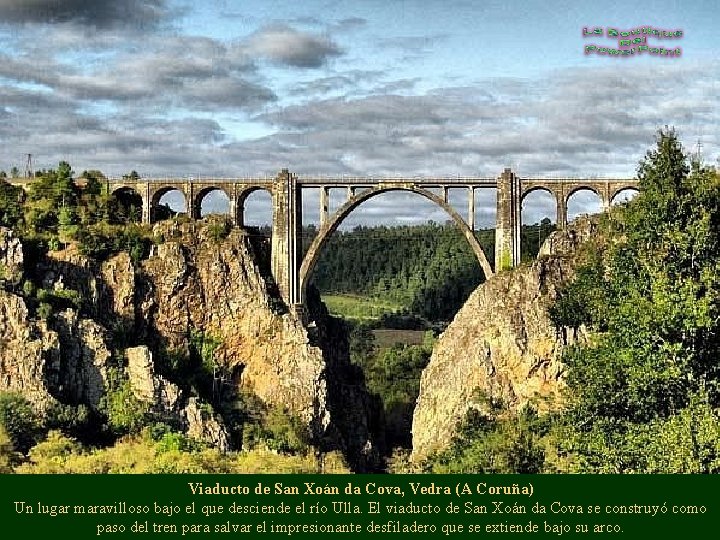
63	362
147	386
67	363
11	257
500	346
27	352
200	282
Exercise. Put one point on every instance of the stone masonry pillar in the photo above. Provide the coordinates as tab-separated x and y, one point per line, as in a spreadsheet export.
507	228
286	250
233	209
471	208
561	213
146	204
605	196
191	209
324	206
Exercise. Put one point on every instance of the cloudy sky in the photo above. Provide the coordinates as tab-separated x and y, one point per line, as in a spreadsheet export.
364	87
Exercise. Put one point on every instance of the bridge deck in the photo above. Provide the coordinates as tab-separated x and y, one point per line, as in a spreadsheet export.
365	180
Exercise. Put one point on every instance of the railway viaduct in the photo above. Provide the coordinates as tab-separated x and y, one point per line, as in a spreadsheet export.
292	271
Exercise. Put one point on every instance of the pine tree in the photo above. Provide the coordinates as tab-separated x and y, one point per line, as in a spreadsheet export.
654	303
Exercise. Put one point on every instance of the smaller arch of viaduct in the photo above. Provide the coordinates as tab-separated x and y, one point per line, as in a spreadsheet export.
620	189
237	205
193	192
196	209
562	189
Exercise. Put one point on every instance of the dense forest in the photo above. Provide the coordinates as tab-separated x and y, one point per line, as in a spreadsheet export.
426	271
429	270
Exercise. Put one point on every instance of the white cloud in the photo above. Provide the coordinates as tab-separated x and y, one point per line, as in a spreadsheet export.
287	46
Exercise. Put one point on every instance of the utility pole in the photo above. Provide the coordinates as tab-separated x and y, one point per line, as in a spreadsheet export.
29	173
699	150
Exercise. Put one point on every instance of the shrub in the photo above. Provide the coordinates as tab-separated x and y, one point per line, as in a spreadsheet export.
125	413
73	419
8	456
44	311
490	443
218	230
19	420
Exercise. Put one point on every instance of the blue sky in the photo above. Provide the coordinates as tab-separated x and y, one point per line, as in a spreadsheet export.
370	87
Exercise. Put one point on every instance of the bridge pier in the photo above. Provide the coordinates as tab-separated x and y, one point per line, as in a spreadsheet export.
507	228
471	208
561	211
286	249
146	205
233	210
192	207
605	196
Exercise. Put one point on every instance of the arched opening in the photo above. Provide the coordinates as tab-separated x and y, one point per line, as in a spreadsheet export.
583	201
167	203
395	264
406	216
255	210
125	206
538	218
623	196
212	201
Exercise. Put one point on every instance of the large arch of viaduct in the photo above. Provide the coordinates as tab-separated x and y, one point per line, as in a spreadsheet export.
292	271
330	225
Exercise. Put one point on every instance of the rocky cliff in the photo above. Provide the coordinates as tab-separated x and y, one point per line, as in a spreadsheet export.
500	346
200	282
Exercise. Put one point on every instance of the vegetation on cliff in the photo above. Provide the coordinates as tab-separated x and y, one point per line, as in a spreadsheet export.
89	412
644	392
642	389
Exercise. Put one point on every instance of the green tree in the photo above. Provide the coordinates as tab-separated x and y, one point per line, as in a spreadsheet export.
54	192
124	412
494	441
654	304
19	420
11	210
8	456
94	200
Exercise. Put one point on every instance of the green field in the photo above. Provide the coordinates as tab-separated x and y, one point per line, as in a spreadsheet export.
386	338
360	308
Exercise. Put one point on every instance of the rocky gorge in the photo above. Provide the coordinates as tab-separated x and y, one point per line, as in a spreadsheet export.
198	284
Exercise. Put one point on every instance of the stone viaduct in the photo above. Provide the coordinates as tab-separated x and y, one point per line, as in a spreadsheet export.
292	271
